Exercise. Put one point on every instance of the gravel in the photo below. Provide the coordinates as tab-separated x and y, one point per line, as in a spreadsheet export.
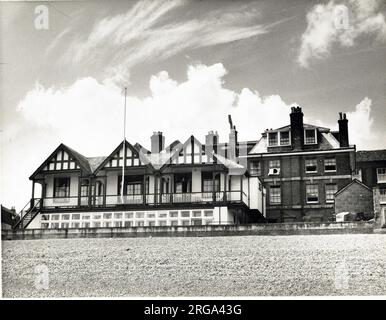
316	265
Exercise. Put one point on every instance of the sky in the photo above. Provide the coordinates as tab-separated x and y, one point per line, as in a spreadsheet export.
186	65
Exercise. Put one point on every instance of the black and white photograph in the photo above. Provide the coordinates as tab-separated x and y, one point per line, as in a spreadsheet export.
193	149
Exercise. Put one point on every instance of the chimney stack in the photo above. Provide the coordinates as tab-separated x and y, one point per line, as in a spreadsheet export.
157	142
232	147
297	129
343	130
211	141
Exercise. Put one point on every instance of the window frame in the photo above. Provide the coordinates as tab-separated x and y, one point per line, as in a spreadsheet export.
255	170
381	174
273	196
315	137
326	194
279	139
324	163
317	193
67	187
316	165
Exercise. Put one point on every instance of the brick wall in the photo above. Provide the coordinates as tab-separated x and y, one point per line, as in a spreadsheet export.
355	198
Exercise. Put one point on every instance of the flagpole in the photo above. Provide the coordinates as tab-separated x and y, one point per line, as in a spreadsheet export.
124	149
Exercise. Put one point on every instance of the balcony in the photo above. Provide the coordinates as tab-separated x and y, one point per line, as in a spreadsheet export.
219	198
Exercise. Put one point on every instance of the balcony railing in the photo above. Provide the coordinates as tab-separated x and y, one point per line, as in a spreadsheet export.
149	199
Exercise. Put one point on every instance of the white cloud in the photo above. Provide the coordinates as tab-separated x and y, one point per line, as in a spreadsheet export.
361	130
87	116
339	22
145	33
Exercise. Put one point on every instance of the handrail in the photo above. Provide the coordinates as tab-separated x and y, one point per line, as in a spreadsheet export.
147	198
26	212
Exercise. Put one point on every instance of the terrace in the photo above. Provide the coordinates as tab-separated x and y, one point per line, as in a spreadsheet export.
137	200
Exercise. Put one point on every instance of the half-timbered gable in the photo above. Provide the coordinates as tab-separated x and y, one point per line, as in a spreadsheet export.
63	159
116	158
192	152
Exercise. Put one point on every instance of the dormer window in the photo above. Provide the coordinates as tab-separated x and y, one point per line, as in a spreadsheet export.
284	138
310	136
280	138
273	139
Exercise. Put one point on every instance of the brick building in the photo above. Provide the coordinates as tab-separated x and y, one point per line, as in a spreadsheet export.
302	167
371	170
357	198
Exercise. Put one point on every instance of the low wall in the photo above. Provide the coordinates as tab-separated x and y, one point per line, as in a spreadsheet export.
193	231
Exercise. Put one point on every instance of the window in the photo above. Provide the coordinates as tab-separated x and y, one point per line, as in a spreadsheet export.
134	189
274	164
173	214
128	215
151	215
107	216
84	188
65	217
61	187
272	139
382	193
197	222
128	223
118	215
209	184
151	223
76	216
196	213
140	223
311	165
330	165
274	194
162	223
381	175
255	168
208	213
185	222
281	138
185	214
174	222
310	136
312	193
139	215
274	167
284	138
162	215
331	189
118	224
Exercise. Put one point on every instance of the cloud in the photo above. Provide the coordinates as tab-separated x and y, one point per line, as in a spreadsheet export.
361	130
339	23
156	30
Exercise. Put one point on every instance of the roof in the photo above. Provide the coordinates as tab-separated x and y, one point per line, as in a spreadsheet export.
95	162
83	161
355	181
371	155
305	126
328	140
